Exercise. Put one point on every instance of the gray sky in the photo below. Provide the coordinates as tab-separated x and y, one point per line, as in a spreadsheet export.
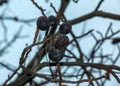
24	9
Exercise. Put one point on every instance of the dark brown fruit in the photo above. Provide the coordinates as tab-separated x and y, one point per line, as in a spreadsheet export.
43	23
52	20
65	28
56	54
61	41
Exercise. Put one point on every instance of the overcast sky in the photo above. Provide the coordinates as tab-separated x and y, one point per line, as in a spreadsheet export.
24	9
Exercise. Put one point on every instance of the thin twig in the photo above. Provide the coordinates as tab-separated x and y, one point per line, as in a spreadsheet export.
99	4
40	8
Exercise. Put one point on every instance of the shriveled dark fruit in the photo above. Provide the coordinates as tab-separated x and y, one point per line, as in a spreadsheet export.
61	41
56	54
52	20
65	28
43	23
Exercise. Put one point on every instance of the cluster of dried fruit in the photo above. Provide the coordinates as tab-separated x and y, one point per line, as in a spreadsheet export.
61	40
